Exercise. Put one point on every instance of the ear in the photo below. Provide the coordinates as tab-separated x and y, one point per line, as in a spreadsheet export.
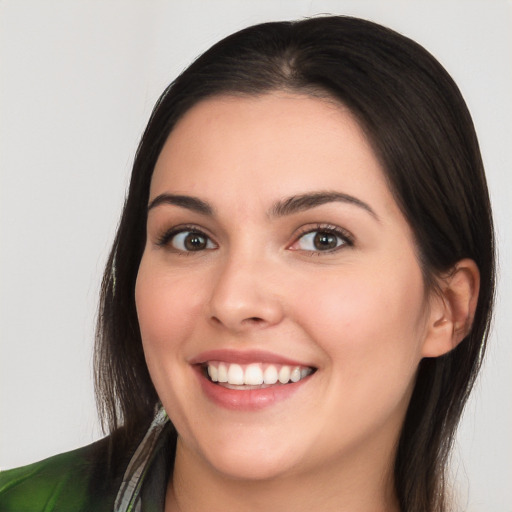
452	308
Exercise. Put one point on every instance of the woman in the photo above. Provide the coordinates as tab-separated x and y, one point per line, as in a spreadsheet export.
298	296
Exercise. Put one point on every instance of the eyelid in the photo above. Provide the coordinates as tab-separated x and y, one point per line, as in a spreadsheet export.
342	233
164	239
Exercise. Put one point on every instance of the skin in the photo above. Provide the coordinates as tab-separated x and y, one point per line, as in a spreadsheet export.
359	314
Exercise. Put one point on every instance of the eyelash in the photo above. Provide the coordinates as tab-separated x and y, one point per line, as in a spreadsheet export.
343	235
168	235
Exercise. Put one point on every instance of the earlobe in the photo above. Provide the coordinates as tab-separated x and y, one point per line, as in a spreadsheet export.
452	309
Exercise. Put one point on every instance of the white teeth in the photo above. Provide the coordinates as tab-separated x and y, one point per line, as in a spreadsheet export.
270	375
295	374
213	372
284	374
304	372
255	374
235	374
222	372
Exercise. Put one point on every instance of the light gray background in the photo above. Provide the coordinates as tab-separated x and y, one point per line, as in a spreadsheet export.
77	82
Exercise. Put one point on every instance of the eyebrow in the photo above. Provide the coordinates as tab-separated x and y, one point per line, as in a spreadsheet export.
281	208
190	203
304	202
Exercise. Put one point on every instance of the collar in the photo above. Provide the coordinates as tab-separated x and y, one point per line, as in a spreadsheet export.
145	479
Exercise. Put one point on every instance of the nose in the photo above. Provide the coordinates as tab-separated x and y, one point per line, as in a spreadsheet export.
244	295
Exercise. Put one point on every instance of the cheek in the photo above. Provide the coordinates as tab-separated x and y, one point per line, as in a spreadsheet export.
165	317
368	323
168	307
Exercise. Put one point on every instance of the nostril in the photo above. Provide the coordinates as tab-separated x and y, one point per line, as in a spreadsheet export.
254	320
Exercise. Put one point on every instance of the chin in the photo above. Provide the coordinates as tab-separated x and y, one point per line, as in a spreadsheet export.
252	467
248	455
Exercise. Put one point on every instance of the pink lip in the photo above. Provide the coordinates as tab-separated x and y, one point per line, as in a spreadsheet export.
247	399
243	357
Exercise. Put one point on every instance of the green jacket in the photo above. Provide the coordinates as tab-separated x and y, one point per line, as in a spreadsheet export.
91	480
65	483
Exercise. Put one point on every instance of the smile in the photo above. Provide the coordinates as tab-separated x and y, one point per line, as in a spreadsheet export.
250	380
254	375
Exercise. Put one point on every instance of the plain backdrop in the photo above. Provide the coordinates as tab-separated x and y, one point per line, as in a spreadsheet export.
78	80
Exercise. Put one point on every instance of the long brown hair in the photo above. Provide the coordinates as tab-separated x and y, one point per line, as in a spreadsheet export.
419	126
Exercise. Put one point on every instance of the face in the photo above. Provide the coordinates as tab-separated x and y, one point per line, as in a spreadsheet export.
276	252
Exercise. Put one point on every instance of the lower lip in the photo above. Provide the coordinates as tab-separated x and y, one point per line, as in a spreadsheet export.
248	399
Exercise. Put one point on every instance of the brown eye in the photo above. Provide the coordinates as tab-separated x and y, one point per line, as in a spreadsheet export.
321	240
324	241
190	241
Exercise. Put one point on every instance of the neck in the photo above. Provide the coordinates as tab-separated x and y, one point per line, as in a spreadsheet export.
355	487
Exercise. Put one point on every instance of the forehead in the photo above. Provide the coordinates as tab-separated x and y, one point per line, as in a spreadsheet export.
276	144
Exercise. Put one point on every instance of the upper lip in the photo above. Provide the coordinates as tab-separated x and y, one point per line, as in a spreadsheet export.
245	357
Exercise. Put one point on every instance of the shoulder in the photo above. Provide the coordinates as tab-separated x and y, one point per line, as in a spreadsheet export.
72	481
